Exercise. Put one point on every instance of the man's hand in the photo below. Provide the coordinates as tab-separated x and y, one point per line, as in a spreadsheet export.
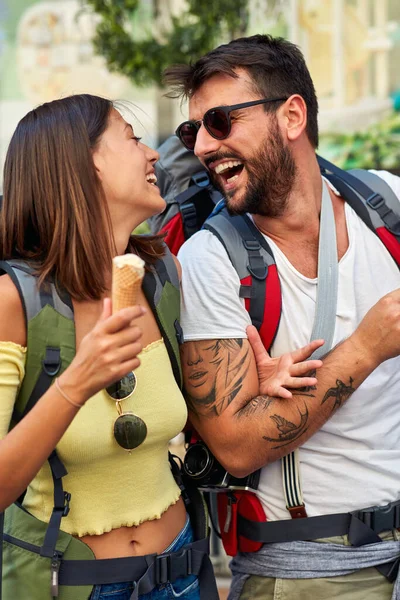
291	370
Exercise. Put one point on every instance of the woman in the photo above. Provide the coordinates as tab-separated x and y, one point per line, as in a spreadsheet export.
77	182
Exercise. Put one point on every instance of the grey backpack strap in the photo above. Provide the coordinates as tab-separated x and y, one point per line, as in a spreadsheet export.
369	196
384	206
323	327
325	311
34	299
254	263
167	269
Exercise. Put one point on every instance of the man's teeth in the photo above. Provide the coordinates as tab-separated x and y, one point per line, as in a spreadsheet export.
232	179
227	165
151	178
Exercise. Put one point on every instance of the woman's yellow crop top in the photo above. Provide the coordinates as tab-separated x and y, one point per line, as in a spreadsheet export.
109	487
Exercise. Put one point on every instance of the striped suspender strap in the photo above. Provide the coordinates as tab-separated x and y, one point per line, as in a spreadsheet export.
324	327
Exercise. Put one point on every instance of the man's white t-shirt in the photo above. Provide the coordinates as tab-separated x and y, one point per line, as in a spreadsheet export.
353	461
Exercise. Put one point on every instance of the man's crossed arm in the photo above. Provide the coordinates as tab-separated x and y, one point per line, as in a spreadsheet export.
246	427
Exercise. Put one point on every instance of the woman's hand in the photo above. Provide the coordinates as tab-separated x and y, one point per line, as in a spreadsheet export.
107	353
288	370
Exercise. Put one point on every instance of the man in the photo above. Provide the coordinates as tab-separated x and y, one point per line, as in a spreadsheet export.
265	164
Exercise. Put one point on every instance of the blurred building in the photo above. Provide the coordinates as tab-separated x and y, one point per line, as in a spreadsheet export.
352	48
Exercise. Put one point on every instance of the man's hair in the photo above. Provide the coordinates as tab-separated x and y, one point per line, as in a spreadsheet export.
276	67
54	211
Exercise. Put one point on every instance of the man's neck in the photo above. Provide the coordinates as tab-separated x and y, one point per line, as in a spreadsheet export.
301	216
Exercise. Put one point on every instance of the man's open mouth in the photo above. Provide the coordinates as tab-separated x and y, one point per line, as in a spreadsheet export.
229	171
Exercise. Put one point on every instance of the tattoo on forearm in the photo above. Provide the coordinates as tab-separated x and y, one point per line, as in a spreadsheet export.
258	404
214	372
305	391
340	393
289	432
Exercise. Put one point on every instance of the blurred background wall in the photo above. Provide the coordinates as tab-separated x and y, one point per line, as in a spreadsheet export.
352	48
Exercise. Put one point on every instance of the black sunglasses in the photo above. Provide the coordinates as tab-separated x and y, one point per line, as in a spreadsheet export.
129	430
216	120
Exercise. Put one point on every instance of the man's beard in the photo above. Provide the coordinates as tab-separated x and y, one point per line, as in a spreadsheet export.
271	176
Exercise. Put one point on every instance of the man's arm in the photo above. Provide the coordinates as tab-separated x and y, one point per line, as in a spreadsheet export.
246	430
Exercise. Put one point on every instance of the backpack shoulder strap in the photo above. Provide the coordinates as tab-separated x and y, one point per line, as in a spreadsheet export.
253	260
372	199
161	287
49	311
50	348
34	299
197	202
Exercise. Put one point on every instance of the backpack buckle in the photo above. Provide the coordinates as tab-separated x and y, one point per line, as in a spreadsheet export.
251	245
189	218
52	361
201	179
381	518
169	567
67	499
375	201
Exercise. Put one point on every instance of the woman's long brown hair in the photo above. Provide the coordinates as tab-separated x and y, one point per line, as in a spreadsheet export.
54	212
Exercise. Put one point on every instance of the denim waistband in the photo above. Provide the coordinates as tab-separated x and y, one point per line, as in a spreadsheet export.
180	539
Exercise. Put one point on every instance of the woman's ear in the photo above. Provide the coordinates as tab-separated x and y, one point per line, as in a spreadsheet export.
295	115
98	161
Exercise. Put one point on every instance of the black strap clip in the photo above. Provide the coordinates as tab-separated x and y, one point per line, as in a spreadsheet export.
170	567
381	518
52	361
66	507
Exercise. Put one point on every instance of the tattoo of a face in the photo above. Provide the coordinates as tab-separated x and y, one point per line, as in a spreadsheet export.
340	393
213	374
288	431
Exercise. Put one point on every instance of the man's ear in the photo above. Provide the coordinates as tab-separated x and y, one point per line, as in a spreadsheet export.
295	117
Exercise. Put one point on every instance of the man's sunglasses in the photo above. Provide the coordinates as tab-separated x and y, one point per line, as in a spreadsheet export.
129	430
217	122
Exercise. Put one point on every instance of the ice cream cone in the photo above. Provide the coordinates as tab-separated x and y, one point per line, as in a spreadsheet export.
128	272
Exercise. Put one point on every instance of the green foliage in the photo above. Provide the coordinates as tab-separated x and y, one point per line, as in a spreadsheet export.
377	147
204	25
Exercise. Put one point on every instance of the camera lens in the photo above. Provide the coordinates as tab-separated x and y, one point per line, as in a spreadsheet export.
198	461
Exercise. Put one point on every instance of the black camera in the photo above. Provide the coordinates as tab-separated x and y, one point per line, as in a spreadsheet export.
203	469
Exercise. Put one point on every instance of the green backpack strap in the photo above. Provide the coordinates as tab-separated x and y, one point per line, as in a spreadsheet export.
50	349
161	287
50	333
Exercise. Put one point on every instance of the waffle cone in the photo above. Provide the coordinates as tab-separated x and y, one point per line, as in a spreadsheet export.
126	283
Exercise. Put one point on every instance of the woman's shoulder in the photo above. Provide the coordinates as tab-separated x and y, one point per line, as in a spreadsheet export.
12	319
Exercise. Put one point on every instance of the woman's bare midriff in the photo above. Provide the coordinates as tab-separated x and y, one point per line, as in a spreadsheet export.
148	538
151	536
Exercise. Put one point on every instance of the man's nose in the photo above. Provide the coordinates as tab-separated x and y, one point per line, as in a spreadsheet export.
205	144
